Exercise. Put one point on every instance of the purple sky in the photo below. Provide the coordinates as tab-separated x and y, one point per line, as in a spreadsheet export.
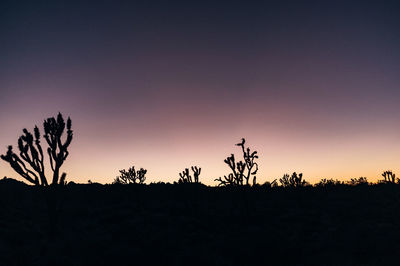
313	86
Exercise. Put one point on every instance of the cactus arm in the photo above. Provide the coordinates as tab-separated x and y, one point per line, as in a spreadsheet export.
18	165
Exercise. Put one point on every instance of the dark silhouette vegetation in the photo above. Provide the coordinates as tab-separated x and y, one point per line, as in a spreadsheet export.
293	181
185	177
242	171
358	181
31	152
30	163
131	176
238	222
389	177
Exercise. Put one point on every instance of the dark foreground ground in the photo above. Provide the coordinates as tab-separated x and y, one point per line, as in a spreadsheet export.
197	225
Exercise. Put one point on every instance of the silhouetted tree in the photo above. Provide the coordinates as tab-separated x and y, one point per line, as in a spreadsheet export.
185	176
293	181
242	171
131	176
30	162
389	177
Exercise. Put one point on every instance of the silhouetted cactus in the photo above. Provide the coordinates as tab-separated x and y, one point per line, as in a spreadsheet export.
58	151
32	153
229	180
293	181
131	176
242	171
185	176
389	177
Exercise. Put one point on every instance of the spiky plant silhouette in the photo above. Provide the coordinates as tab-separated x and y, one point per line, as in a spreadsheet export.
328	183
242	171
389	177
185	176
131	176
358	181
30	163
293	181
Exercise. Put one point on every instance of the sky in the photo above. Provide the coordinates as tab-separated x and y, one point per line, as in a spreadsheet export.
313	86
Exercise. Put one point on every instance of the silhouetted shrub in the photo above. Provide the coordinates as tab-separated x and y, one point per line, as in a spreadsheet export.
31	152
389	178
185	176
7	180
131	176
328	183
268	184
242	171
293	181
358	181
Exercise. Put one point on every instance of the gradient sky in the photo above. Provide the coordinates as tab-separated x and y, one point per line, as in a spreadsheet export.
314	86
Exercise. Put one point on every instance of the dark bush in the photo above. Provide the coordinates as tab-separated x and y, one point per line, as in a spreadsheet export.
358	181
328	183
131	176
293	181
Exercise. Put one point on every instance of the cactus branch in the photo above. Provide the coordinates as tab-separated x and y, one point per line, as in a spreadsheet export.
31	152
185	176
242	171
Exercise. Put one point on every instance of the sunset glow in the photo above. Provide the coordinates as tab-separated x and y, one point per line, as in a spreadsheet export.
313	88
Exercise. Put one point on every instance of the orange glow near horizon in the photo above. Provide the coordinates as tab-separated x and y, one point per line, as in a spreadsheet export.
99	156
313	87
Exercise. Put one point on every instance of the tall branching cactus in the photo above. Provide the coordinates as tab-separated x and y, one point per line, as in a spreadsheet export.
242	171
185	176
30	162
389	177
58	151
131	176
196	173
